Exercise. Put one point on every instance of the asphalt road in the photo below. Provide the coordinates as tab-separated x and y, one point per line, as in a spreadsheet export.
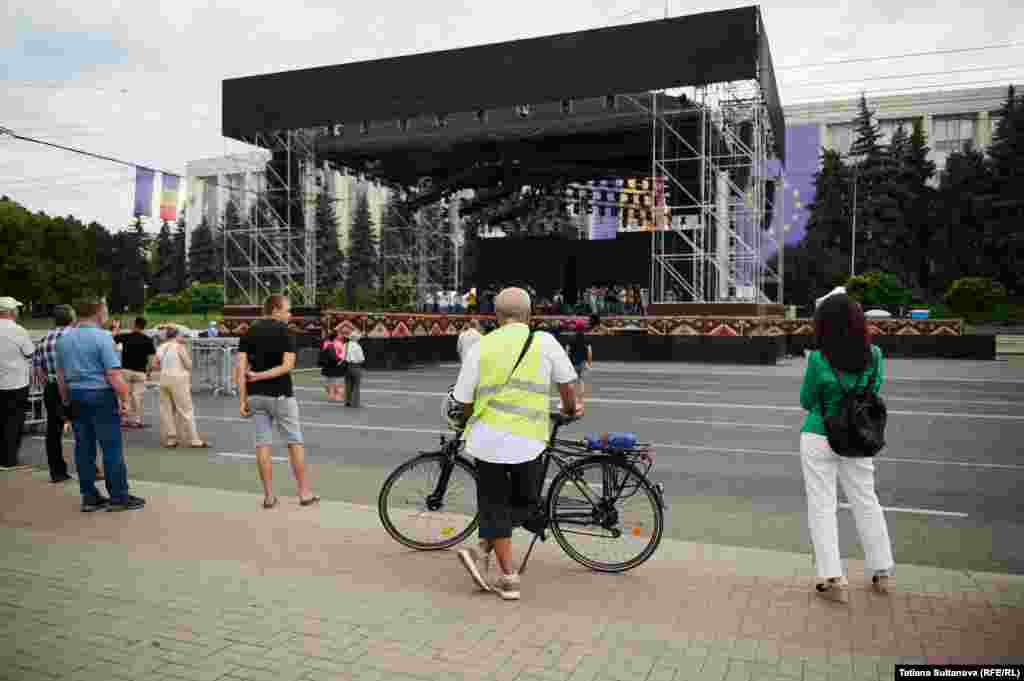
726	439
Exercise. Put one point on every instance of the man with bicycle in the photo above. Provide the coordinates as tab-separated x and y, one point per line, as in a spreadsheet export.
504	385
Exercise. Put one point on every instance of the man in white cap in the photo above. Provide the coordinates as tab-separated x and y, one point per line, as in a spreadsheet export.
16	350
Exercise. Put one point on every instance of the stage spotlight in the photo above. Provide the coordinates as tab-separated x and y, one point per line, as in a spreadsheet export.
609	102
523	110
338	129
567	106
364	127
481	115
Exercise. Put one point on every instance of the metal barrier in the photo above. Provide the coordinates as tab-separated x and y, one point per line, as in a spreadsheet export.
35	417
213	364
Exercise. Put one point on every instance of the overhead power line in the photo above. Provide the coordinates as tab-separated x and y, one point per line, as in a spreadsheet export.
932	53
908	90
897	77
10	133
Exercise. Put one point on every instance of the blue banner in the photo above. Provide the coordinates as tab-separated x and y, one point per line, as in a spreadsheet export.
144	178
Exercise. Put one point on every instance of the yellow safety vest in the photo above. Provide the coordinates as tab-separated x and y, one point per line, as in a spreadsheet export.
521	407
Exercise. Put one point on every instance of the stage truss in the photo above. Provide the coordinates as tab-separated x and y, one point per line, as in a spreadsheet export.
273	249
712	245
430	240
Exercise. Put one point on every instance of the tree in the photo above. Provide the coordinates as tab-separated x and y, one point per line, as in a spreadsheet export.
1004	237
330	263
362	253
165	260
961	208
881	232
180	270
918	209
828	223
202	254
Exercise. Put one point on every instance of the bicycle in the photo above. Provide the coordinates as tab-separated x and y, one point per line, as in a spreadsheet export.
617	478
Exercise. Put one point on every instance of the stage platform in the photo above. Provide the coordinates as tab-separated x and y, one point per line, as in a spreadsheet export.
310	322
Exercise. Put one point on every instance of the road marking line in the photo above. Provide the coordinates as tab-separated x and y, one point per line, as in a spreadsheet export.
729	405
237	455
696	372
886	459
656	445
919	511
771	426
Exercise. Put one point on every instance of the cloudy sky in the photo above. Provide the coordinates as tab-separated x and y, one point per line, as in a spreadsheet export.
140	81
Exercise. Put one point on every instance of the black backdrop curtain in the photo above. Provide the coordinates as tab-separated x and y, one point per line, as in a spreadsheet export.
550	264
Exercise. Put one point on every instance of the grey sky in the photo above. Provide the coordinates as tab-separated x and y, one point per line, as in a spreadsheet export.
141	80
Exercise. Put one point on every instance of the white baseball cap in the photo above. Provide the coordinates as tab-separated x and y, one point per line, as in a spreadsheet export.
8	303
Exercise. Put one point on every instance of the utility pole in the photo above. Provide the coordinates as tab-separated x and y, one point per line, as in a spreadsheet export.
853	224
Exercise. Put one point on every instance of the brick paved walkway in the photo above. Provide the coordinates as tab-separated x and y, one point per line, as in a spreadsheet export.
204	585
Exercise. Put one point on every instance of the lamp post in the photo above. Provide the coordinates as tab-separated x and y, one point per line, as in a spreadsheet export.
853	224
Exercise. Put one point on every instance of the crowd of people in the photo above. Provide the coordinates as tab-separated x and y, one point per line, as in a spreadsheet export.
502	391
610	298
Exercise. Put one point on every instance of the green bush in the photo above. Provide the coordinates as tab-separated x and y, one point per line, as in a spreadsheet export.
399	293
878	289
976	298
205	297
163	303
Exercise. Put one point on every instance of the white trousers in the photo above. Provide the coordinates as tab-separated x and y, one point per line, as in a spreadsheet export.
821	467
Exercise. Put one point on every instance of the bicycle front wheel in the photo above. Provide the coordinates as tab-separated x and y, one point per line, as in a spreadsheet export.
605	514
417	512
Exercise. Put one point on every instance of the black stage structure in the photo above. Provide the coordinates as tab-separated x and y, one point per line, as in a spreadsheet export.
687	103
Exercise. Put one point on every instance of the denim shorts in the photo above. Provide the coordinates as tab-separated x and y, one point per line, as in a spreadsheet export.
268	411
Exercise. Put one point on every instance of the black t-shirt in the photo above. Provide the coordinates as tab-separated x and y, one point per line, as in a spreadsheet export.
264	347
578	349
137	347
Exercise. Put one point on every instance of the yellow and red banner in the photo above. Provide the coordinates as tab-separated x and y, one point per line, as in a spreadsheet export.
169	197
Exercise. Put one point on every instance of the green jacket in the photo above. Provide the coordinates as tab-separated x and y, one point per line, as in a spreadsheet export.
820	381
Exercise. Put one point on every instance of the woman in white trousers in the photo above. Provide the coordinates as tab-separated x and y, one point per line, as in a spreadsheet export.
845	354
177	416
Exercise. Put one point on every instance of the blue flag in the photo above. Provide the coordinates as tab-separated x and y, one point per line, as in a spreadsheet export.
144	191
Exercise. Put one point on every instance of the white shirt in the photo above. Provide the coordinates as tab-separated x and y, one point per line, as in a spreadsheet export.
170	360
467	339
488	444
16	350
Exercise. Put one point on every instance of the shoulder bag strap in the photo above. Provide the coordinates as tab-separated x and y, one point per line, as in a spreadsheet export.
526	346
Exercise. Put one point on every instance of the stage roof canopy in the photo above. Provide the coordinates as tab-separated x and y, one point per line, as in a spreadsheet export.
394	98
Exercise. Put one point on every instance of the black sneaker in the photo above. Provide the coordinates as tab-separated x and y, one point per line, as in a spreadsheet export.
90	504
129	503
63	478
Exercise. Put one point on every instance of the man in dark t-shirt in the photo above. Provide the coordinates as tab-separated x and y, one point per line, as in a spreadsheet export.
136	365
266	357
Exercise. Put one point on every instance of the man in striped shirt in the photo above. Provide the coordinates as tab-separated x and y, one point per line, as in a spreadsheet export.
44	364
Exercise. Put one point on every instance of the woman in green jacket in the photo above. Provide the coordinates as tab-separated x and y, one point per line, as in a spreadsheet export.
845	353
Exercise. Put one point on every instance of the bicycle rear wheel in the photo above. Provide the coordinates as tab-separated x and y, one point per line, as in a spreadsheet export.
416	520
605	514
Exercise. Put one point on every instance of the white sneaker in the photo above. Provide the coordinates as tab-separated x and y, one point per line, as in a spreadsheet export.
507	586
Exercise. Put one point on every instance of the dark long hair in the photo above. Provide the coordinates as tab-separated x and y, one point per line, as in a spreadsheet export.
841	333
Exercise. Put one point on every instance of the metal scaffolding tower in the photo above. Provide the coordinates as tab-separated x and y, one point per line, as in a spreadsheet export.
711	248
273	250
426	245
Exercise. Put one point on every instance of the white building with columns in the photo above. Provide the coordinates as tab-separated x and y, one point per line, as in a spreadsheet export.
212	182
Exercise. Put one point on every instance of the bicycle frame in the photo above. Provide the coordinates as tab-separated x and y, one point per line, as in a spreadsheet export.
560	452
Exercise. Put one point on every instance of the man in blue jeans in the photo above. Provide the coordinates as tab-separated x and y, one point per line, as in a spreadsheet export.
90	384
